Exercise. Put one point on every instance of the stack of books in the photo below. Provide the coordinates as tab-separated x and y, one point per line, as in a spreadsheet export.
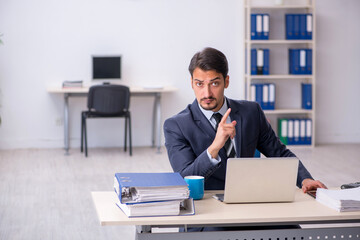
152	194
72	84
344	200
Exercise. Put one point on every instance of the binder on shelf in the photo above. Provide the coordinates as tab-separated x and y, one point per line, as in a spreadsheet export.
302	61
253	61
253	26
309	27
302	131
290	132
308	61
265	96
258	94
271	96
306	95
260	61
294	61
258	26
296	26
265	26
283	130
147	187
266	67
163	208
308	136
289	26
296	132
252	92
303	33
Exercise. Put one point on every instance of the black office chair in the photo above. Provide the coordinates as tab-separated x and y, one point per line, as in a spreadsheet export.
107	101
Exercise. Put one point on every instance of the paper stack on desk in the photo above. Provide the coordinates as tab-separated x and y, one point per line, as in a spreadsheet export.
344	200
152	194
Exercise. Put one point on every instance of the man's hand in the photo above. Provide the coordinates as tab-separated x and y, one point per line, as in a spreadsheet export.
310	184
224	131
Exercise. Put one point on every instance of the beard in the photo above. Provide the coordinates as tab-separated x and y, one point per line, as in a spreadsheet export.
209	106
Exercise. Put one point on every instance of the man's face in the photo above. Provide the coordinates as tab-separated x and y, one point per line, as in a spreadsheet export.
209	88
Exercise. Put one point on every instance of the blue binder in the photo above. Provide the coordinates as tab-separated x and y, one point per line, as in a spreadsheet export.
257	154
303	33
253	61
294	61
125	182
309	26
296	132
259	94
308	61
302	131
306	95
290	132
271	96
266	68
308	134
296	25
289	26
253	26
265	26
302	61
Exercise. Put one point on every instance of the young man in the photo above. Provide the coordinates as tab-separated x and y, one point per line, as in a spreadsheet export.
201	138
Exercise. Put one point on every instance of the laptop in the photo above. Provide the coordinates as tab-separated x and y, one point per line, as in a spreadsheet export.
255	180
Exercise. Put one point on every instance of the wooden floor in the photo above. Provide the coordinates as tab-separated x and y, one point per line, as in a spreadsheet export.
46	195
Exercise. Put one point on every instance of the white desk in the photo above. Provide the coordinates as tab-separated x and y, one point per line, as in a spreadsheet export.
134	91
210	212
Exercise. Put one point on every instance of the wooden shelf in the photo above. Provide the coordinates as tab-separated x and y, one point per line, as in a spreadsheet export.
279	6
279	41
288	111
280	76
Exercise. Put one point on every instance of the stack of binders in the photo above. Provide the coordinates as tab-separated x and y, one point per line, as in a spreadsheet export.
260	61
298	26
152	194
300	61
295	131
263	94
260	26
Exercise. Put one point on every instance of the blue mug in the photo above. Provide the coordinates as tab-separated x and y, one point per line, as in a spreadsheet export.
196	186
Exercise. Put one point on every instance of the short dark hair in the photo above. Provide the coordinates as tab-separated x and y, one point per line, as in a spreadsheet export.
209	59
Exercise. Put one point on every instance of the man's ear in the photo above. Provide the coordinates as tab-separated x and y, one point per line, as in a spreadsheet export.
227	81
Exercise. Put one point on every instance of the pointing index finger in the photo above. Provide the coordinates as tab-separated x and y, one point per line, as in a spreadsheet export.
226	115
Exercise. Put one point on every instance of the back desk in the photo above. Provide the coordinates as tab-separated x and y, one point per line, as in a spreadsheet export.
209	212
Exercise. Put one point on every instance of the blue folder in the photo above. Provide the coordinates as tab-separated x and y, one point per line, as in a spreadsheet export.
306	96
308	61
259	94
309	26
308	133
253	26
253	61
124	182
296	25
303	33
289	26
266	68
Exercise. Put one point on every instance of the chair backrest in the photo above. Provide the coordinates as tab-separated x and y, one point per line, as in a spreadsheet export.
109	99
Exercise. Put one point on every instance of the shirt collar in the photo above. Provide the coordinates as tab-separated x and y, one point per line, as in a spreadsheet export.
208	113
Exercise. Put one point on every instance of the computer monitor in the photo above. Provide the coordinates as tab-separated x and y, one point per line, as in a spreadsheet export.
106	67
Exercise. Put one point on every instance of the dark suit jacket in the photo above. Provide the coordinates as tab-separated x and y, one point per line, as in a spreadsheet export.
189	134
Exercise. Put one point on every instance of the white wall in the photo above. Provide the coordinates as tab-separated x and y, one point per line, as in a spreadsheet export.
46	42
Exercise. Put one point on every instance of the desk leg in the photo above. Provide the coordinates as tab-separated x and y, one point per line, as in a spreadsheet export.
153	129
158	120
66	123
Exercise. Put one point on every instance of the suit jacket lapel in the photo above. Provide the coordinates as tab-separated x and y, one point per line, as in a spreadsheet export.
235	114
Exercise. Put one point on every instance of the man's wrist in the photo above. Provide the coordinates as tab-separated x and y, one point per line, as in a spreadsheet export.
214	152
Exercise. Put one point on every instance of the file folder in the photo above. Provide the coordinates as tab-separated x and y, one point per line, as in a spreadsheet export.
283	130
303	33
271	96
253	61
266	67
303	61
308	61
309	27
260	61
306	96
290	132
265	25
302	131
146	187
253	26
289	26
258	26
296	132
265	96
252	92
308	138
296	25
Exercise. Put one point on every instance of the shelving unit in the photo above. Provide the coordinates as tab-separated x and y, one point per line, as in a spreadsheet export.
288	87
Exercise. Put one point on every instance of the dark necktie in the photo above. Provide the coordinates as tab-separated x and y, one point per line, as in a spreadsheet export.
229	152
